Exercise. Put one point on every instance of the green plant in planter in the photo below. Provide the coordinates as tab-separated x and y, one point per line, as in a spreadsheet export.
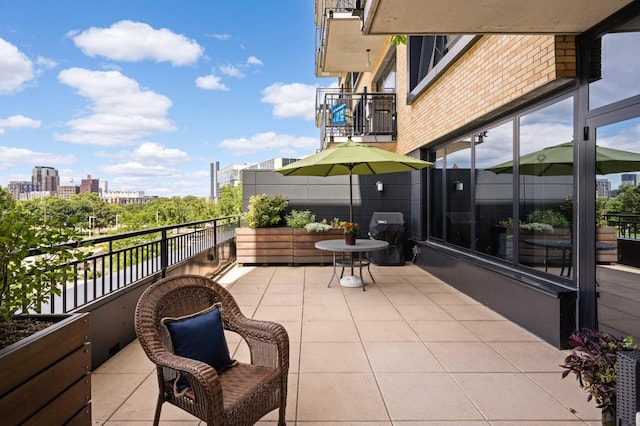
549	217
299	218
28	279
265	211
593	361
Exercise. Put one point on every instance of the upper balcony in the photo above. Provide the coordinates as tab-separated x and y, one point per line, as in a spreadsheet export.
340	45
364	117
432	17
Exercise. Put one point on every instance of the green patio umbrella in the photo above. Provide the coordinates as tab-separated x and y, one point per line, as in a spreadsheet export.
352	158
557	160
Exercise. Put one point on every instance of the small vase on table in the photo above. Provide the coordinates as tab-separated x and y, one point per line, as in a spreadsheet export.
350	238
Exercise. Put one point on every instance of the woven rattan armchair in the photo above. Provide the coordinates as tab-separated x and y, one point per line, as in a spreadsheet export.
238	396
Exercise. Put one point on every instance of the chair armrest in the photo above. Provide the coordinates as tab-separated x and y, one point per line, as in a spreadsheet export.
268	341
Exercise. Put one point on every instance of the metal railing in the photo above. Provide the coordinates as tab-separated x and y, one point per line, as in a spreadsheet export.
628	225
341	113
117	261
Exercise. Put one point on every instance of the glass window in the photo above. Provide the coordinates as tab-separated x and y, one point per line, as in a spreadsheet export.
458	193
494	192
620	63
546	188
424	53
617	250
437	195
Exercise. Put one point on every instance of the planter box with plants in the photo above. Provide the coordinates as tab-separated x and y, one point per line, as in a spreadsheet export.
44	359
264	242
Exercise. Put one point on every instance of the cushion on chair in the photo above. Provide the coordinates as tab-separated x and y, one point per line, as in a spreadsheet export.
200	336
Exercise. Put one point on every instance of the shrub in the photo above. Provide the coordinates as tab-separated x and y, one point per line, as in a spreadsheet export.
549	217
299	218
317	227
265	211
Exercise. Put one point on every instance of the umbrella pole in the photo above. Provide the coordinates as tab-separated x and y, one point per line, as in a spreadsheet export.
350	197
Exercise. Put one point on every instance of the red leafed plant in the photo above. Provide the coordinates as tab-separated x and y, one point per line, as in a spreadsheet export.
593	361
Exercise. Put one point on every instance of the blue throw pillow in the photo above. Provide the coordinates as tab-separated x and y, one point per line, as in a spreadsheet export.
200	336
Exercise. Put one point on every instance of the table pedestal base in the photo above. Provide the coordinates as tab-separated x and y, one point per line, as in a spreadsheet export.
350	281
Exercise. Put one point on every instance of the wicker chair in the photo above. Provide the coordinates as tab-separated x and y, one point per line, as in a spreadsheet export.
238	396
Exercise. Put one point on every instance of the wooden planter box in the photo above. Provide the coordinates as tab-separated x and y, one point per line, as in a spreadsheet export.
282	246
45	378
535	255
608	235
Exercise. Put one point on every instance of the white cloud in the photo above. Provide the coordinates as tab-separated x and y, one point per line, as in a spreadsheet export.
134	168
46	62
221	36
270	142
120	111
210	82
294	100
10	157
231	71
252	60
16	68
136	41
16	122
153	153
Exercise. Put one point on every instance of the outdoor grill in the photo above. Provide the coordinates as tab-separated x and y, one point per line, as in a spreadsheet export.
389	227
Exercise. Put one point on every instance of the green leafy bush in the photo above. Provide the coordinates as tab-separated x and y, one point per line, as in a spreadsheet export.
299	218
265	211
548	217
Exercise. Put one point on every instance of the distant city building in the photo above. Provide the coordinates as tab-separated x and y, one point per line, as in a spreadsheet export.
103	187
20	187
631	178
232	175
34	195
274	163
126	197
90	185
68	191
45	178
603	188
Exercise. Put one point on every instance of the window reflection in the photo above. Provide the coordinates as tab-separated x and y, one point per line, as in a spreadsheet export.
617	249
437	196
620	64
458	184
493	191
546	189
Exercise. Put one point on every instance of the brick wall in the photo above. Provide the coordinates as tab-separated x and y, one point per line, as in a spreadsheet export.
498	70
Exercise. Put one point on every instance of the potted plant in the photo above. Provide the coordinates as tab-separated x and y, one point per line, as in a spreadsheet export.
350	230
593	361
47	353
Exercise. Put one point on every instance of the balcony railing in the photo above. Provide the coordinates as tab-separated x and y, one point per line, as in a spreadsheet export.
628	225
343	114
117	261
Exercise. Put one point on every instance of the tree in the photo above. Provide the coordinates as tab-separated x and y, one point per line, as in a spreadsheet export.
28	280
230	201
626	202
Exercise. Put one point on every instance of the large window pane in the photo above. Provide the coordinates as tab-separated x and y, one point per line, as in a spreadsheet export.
458	194
617	249
546	189
494	191
620	65
437	199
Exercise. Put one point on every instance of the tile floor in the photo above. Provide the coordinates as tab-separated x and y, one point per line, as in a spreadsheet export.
409	351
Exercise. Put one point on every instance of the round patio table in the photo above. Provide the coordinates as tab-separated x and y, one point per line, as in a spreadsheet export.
361	247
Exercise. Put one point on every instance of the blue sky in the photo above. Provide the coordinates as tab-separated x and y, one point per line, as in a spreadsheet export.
146	94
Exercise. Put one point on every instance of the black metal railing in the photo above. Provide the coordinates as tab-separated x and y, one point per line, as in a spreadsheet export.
117	261
628	225
342	113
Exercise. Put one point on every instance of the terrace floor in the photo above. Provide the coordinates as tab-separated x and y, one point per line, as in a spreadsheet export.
409	351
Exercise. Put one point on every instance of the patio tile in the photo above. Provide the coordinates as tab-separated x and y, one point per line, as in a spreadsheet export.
326	313
409	299
500	331
531	356
324	297
110	391
425	396
330	331
472	313
131	359
386	331
452	299
278	313
569	392
333	397
333	357
373	296
442	331
282	299
401	357
292	402
469	357
375	313
423	313
511	396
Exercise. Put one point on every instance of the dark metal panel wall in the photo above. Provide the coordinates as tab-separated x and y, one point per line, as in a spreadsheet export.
546	312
